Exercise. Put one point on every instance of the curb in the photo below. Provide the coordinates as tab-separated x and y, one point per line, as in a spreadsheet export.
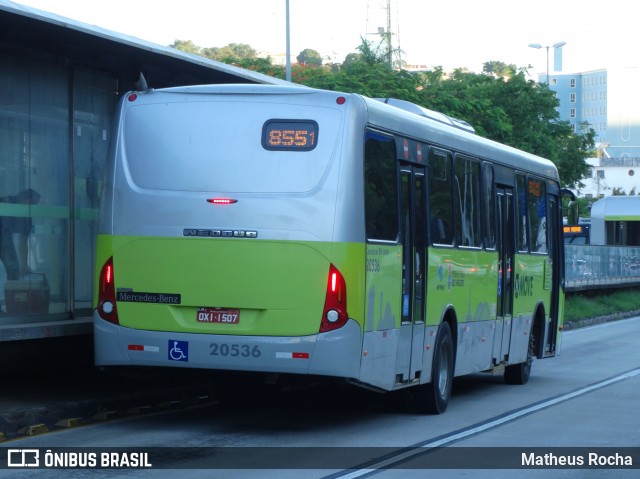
129	398
583	323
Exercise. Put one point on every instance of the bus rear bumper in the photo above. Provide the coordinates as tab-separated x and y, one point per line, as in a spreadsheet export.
336	353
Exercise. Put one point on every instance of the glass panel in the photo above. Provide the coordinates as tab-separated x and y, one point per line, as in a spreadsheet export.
440	198
381	187
210	146
34	188
468	218
407	246
419	247
94	99
537	206
521	214
489	207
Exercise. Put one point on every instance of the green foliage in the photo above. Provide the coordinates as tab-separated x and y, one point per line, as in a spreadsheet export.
309	57
186	46
583	204
514	111
499	69
582	306
351	58
380	54
375	81
232	50
260	65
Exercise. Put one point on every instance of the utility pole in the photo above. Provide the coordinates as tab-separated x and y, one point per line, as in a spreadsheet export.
390	52
288	48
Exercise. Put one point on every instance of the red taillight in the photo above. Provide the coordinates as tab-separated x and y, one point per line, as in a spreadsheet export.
107	294
334	315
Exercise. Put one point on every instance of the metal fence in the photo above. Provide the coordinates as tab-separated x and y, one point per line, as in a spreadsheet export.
592	266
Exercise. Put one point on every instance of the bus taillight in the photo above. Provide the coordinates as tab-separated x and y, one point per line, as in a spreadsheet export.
107	294
335	314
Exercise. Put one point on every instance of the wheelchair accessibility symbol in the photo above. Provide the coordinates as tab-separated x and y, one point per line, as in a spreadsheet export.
178	350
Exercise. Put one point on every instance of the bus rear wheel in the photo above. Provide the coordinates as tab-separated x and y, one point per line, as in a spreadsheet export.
520	373
433	398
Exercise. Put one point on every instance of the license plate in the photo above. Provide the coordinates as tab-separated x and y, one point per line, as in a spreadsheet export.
218	315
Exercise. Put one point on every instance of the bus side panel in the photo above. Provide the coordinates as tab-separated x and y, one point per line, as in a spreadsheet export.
529	290
466	281
558	331
382	313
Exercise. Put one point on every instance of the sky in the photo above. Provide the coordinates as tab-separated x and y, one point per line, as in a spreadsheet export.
447	33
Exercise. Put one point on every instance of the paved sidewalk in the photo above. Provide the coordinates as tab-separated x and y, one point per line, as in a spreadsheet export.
33	402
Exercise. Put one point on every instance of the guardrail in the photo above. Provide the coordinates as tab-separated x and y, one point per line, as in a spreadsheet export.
601	267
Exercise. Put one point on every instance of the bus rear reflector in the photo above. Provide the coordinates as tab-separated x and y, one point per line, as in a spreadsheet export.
107	294
334	315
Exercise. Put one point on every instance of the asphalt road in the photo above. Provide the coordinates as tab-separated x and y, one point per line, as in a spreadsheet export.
585	399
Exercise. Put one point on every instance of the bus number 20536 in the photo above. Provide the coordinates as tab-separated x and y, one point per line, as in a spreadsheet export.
235	350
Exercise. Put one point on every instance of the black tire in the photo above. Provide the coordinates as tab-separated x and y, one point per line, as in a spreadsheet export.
519	373
433	398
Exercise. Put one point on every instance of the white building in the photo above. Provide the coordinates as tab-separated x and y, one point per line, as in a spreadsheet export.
619	175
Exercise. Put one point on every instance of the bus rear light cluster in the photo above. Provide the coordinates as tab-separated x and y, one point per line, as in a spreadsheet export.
107	294
221	201
334	315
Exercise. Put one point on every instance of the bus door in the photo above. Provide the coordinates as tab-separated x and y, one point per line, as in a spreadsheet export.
557	270
413	236
506	248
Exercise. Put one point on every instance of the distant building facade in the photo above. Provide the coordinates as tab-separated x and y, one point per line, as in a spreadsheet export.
607	100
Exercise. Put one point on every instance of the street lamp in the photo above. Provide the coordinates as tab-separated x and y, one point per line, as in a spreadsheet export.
537	46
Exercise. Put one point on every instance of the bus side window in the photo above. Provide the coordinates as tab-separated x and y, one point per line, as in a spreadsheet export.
488	212
468	204
537	210
440	199
521	214
380	187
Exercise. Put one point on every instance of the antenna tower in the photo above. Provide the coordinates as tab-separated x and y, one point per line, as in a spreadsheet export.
386	34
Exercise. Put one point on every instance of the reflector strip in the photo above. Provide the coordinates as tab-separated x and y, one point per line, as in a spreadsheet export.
140	347
292	355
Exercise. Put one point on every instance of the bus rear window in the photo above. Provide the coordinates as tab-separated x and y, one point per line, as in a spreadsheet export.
220	146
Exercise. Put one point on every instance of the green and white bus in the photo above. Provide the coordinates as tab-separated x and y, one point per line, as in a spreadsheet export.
290	230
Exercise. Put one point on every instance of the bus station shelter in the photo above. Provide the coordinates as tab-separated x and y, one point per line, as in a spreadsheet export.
59	84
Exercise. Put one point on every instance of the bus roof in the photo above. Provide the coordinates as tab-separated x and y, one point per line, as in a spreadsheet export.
401	121
617	208
461	140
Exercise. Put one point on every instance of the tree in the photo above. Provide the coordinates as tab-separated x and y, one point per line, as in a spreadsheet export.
375	54
309	57
232	50
186	46
351	58
499	69
514	111
237	50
